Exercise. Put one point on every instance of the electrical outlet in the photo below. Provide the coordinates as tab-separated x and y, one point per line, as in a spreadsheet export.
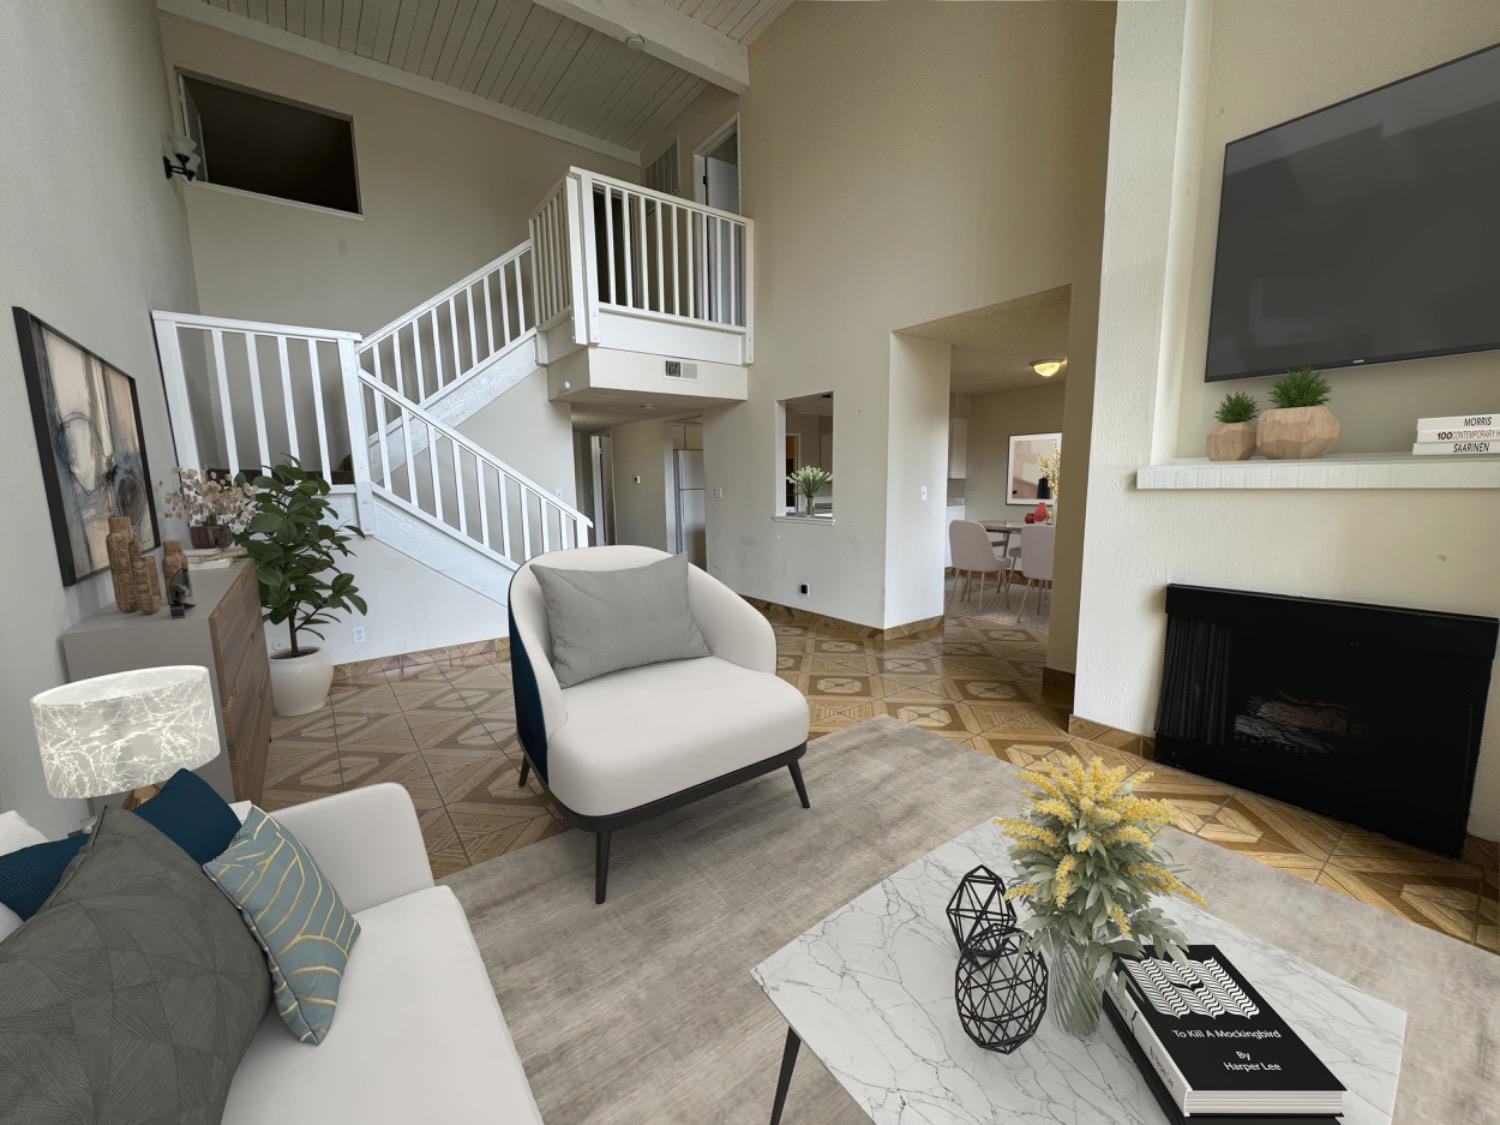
359	634
718	494
924	492
804	589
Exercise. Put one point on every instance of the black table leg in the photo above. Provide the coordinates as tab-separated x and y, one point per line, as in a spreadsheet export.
784	1082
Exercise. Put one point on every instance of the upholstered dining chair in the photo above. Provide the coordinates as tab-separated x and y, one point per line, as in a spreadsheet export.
1038	541
974	554
621	747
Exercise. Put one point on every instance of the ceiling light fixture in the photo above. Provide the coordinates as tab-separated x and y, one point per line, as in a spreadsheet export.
1047	368
635	43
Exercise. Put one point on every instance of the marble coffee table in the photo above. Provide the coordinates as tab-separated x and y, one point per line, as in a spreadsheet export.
870	991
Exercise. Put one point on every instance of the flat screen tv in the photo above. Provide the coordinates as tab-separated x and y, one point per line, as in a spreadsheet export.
1365	232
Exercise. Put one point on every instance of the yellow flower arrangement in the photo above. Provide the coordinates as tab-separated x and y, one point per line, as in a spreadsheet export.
1085	846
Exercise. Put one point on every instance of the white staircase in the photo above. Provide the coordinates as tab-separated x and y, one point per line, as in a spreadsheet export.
378	416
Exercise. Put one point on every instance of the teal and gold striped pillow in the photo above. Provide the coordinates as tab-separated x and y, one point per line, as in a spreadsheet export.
295	915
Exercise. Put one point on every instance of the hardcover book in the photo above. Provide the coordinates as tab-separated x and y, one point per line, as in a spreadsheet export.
1459	422
1472	433
1215	1043
1454	448
1174	1112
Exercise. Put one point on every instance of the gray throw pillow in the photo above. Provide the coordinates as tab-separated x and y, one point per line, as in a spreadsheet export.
604	620
132	994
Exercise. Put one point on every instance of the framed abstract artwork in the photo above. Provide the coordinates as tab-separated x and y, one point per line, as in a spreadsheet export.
87	419
1024	483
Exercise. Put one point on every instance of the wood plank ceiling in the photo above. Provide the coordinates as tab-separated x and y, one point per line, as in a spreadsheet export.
518	54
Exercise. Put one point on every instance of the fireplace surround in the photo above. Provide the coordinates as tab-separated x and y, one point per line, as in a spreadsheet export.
1370	714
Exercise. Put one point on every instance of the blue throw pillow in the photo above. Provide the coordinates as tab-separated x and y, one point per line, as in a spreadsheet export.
187	811
296	915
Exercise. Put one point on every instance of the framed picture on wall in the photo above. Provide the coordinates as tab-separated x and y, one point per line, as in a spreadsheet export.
1025	484
87	419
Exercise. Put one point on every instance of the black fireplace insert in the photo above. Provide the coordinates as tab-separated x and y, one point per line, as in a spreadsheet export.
1371	714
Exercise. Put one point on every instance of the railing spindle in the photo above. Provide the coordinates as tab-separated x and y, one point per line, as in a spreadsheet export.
380	427
458	360
458	489
626	218
416	351
640	207
489	317
288	402
676	261
733	305
692	281
661	263
432	465
231	449
326	464
525	520
521	295
257	401
501	491
473	329
437	353
407	456
609	238
546	526
480	469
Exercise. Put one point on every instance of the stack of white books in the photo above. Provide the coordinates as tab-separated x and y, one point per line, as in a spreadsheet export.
1457	435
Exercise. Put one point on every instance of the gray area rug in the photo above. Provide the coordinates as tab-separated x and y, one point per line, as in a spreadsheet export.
643	1010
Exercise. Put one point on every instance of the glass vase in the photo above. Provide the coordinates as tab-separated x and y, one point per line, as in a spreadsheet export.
1073	995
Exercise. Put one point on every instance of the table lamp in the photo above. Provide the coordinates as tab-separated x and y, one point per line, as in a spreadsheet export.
125	731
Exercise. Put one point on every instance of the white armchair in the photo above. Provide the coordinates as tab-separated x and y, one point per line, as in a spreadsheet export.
618	749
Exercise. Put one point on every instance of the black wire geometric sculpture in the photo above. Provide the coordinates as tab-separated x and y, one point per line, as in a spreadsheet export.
1001	989
979	905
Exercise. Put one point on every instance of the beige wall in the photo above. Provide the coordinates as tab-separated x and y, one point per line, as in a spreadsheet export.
1441	552
93	238
528	430
1258	76
444	190
993	419
879	148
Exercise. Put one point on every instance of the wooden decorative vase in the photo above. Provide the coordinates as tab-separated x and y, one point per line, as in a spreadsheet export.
205	536
121	547
1297	433
1231	441
147	582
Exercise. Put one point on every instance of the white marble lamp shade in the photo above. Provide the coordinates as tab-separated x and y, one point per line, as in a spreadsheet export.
114	733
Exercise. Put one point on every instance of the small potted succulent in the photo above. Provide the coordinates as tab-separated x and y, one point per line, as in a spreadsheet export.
294	541
808	481
1233	439
1301	427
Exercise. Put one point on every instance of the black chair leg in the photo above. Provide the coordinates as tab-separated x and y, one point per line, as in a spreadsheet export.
795	768
601	864
525	772
784	1079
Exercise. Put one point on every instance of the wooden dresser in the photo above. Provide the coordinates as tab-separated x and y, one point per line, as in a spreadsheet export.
222	632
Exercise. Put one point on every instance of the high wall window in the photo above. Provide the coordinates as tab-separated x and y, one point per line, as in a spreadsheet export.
270	146
804	437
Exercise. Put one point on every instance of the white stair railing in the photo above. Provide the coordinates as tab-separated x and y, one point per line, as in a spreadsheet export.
607	248
425	352
244	395
453	484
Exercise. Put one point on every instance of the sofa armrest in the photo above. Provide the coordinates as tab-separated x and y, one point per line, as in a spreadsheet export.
733	629
366	841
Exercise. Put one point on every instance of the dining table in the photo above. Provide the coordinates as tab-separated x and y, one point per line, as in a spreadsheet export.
1000	532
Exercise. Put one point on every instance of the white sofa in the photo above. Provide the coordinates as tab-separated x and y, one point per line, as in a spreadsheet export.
626	746
418	1035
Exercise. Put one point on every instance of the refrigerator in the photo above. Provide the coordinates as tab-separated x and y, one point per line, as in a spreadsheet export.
692	535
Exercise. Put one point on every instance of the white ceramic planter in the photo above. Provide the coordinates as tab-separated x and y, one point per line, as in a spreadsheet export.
299	684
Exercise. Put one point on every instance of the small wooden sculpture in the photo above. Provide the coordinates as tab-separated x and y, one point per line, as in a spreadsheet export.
118	546
147	582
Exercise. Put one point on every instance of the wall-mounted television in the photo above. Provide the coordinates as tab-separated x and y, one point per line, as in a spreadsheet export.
1364	232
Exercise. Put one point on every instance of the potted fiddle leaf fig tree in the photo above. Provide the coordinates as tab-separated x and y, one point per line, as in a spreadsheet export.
1301	427
295	541
1233	439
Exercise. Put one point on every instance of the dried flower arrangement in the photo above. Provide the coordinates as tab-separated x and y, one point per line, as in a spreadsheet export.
209	499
